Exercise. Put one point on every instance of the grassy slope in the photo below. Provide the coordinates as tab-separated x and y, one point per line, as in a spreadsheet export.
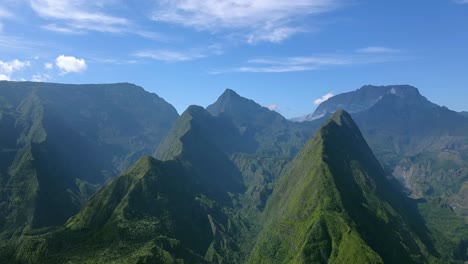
50	130
187	202
140	215
332	207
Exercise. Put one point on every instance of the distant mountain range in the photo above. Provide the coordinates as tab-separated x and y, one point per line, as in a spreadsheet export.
232	183
359	100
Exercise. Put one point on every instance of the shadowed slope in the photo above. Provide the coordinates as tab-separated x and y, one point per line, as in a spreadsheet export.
332	206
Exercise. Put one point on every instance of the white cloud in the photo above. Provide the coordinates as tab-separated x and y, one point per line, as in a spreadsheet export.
323	98
180	56
309	63
69	64
275	35
267	69
62	29
114	61
7	68
78	15
48	66
306	60
40	77
169	55
81	16
377	50
5	13
266	20
272	107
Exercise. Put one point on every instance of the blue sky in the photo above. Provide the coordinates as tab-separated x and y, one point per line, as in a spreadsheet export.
282	54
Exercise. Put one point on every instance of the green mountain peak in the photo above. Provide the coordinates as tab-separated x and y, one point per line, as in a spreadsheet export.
334	206
341	117
139	216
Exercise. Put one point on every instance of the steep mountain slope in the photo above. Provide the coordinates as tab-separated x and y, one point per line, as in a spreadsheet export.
359	100
334	205
202	142
60	142
270	142
269	132
423	145
148	214
420	143
203	202
180	209
464	113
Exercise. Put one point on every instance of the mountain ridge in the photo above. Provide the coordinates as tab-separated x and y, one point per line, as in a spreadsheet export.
218	182
359	100
53	129
330	205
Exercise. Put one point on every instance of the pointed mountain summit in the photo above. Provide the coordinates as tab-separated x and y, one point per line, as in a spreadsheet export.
269	132
179	209
202	142
334	205
150	213
245	113
196	122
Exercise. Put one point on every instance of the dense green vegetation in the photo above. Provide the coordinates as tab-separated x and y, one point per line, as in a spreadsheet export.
334	206
421	144
59	143
226	185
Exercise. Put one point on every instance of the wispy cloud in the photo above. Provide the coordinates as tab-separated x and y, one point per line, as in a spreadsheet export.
4	13
78	15
275	35
40	77
7	68
267	20
169	55
113	61
323	98
70	64
48	66
461	1
376	49
62	29
272	107
81	16
266	69
309	63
